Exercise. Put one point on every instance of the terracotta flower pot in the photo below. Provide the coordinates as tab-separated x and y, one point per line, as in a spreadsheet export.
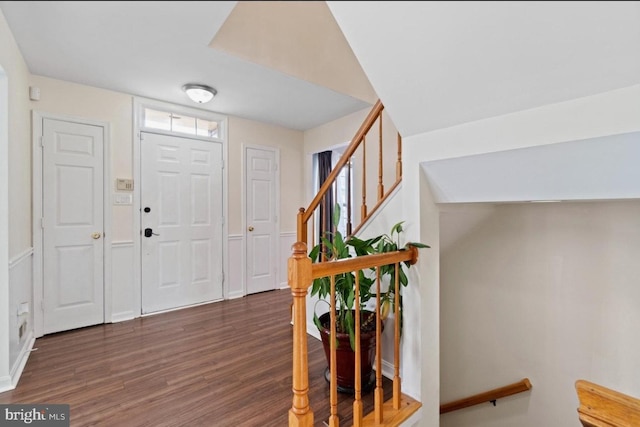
345	356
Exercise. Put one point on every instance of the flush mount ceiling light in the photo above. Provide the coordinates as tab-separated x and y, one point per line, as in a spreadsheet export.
199	93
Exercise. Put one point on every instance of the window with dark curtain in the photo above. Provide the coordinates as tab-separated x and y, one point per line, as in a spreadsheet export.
326	206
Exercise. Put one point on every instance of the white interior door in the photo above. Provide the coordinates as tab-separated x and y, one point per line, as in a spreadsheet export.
73	222
262	207
181	221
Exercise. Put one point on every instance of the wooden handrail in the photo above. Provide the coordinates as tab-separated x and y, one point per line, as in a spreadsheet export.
366	170
487	396
603	407
325	269
364	128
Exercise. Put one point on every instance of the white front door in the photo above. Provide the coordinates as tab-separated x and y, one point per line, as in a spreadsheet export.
181	221
262	207
73	250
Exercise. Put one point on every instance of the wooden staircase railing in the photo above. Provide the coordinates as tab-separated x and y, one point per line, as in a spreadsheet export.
355	156
301	273
603	407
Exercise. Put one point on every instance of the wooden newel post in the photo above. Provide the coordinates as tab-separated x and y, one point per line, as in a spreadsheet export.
299	275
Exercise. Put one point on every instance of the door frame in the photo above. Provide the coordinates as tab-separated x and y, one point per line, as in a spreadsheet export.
139	103
36	222
245	192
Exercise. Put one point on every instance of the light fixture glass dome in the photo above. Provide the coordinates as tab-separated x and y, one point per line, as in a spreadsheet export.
199	93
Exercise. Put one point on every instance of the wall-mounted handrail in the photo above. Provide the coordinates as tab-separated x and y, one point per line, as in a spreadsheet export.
487	396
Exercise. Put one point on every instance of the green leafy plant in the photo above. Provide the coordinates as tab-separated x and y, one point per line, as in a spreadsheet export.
334	246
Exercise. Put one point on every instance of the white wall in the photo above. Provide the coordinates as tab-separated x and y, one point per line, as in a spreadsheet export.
5	380
604	114
235	283
15	197
124	293
544	291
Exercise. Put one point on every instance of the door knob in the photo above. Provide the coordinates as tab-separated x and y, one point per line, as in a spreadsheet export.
96	235
250	228
148	232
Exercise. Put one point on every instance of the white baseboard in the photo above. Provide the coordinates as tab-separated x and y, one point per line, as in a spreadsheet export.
5	384
123	316
387	369
10	382
235	295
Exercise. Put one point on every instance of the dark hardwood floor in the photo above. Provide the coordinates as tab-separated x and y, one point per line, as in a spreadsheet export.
221	364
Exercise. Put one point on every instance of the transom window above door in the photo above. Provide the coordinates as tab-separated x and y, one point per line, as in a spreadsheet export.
180	123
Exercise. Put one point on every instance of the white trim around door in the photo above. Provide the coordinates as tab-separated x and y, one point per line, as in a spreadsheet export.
268	264
37	129
139	106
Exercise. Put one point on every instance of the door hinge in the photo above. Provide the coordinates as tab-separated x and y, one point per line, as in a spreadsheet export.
41	141
223	277
141	136
222	162
42	223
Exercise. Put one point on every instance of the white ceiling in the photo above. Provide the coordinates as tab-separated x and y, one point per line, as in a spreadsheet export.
433	64
151	49
440	63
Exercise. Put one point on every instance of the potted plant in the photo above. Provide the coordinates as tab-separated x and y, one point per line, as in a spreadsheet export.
334	246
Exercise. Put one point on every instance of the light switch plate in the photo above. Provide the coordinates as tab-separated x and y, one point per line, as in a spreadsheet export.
123	199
